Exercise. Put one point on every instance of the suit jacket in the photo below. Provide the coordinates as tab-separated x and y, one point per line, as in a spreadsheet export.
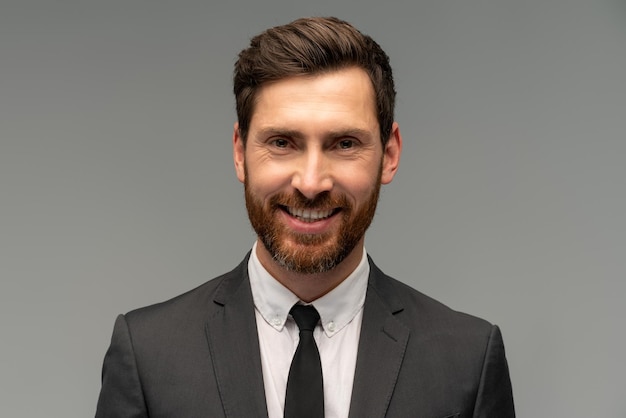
197	355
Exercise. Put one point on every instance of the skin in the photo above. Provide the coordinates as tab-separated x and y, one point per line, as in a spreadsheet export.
315	135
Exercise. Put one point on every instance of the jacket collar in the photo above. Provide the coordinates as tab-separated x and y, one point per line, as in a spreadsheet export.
232	336
382	346
233	342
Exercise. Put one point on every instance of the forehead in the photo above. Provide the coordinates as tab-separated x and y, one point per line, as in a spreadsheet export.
346	94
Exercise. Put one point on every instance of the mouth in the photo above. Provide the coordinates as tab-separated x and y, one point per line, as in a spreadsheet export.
310	215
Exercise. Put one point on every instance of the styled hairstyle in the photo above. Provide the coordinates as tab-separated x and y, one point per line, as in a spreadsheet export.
310	46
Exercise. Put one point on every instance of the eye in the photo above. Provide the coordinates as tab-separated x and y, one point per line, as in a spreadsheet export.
280	143
345	144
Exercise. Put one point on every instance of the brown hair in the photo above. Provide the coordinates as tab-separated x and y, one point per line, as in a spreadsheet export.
310	46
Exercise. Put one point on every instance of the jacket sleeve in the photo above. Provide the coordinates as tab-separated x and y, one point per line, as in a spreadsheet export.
121	394
495	394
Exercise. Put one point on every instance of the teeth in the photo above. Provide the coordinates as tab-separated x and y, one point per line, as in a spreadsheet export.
309	215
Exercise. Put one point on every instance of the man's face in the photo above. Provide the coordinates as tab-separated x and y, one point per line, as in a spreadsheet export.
312	167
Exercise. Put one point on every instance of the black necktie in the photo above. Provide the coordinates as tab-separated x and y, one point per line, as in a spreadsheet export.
305	388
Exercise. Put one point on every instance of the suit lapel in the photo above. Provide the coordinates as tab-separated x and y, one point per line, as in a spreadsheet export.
232	335
382	345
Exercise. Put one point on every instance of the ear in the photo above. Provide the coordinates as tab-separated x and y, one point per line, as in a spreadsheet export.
239	153
391	154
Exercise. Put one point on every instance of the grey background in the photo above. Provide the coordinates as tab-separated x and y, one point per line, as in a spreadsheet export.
117	187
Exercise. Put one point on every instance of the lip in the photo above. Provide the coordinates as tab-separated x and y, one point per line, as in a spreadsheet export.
302	227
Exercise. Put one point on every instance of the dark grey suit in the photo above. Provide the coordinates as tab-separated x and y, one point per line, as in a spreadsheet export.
197	355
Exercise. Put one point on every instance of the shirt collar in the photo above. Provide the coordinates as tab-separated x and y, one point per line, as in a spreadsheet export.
337	308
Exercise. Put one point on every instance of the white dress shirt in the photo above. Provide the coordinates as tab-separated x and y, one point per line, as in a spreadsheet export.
341	312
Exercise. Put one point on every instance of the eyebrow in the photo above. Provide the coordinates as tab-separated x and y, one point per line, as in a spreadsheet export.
291	133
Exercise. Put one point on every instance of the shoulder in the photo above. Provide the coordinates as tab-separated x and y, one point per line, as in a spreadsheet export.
191	307
452	362
419	311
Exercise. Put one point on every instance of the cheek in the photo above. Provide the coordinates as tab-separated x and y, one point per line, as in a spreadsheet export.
363	192
358	182
266	179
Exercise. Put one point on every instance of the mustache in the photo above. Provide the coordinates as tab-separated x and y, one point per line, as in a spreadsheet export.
322	201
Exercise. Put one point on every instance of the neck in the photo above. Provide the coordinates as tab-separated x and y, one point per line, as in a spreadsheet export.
309	287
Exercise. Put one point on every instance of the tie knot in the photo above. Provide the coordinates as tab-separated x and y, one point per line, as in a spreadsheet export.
306	317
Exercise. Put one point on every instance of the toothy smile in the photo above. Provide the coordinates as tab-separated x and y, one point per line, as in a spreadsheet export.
309	215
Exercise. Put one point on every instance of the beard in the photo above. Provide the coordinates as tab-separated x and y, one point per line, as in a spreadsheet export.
310	253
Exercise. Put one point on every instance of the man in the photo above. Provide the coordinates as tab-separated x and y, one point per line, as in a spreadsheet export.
314	141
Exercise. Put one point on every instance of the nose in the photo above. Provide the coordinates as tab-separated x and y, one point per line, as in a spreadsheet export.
312	175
